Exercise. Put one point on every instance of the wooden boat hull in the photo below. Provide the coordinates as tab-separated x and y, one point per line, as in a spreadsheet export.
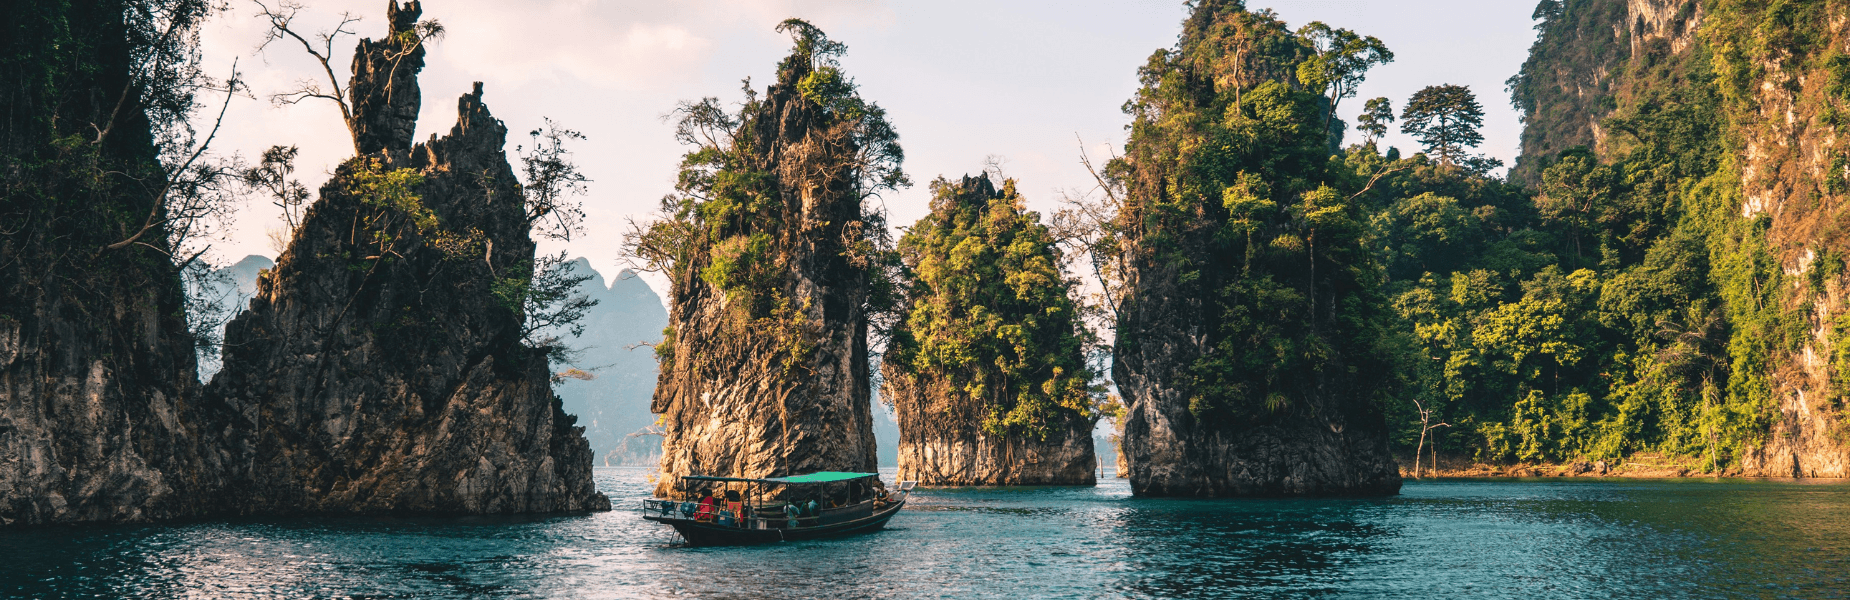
708	534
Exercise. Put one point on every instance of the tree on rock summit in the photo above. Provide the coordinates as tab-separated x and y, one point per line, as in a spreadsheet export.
777	262
987	370
1250	333
1446	119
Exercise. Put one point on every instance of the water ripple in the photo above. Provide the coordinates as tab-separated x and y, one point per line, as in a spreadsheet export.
1529	539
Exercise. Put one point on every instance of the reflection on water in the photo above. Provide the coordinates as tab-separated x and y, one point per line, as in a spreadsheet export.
1526	539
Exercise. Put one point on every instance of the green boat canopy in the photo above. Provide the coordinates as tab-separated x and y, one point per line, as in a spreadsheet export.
823	477
817	477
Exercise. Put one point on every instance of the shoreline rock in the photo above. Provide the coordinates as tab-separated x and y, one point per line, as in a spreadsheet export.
939	450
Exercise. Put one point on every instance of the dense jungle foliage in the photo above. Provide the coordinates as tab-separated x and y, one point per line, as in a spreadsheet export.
990	317
1622	302
1609	298
1233	201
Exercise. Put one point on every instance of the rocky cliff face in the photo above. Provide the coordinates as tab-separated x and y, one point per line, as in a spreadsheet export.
1776	77
1793	176
1568	82
1330	445
378	369
765	371
98	416
942	446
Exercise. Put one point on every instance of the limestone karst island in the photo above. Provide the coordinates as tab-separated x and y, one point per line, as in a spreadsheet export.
964	299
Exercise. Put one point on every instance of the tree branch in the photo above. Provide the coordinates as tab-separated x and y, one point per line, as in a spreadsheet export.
279	27
160	199
1385	171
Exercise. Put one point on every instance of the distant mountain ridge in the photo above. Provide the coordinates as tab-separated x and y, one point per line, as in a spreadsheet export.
616	349
228	291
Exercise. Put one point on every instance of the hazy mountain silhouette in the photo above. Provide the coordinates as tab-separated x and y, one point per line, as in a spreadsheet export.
616	403
227	291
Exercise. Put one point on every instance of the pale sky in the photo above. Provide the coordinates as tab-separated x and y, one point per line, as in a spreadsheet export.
960	79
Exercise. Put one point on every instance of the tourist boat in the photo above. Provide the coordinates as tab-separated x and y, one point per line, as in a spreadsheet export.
810	506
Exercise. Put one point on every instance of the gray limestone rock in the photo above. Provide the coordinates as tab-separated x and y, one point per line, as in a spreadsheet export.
786	392
98	419
378	369
942	446
1334	443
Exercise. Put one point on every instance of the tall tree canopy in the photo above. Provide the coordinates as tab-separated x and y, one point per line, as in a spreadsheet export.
1446	119
1374	119
1341	62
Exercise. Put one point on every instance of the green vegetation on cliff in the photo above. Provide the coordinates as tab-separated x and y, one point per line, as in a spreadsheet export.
1231	198
1657	275
1253	347
990	315
780	266
739	214
1633	298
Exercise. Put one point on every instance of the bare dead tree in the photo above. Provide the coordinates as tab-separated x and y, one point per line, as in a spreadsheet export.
994	165
282	20
282	26
1085	228
1426	427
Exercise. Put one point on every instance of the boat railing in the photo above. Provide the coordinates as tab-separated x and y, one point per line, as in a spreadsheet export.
669	509
677	510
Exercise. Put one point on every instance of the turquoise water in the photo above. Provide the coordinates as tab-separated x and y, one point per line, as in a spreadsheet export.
1527	539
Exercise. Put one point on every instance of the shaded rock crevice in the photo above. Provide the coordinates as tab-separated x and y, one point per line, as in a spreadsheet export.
99	416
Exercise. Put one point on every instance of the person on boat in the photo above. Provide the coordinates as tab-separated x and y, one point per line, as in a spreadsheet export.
709	509
735	506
